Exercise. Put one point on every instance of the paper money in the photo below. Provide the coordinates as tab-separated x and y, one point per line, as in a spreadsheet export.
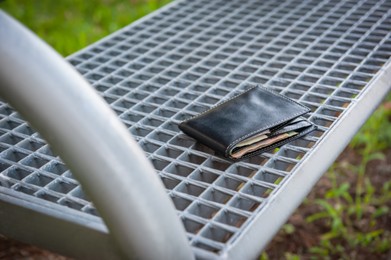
257	138
261	144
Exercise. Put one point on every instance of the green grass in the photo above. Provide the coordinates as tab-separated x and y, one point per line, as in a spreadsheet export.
350	211
347	214
354	210
69	25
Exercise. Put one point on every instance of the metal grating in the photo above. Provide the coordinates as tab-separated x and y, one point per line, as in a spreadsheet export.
185	59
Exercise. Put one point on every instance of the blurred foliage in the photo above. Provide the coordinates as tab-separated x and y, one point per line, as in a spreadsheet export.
354	213
69	25
375	135
348	212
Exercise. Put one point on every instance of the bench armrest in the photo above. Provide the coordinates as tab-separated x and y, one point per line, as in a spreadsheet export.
94	144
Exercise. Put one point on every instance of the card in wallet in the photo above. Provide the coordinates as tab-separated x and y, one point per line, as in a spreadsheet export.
250	123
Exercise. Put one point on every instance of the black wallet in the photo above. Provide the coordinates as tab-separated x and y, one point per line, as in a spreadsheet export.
250	123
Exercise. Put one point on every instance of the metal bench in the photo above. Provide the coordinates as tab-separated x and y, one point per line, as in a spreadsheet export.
333	56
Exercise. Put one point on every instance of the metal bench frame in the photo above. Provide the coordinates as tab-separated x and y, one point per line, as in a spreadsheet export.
186	57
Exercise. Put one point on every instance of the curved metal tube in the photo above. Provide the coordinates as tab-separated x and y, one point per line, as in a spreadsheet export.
94	144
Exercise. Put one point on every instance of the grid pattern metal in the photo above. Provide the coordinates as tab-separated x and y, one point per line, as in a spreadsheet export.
187	58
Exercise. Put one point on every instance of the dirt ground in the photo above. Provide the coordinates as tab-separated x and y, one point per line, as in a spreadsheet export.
11	249
306	234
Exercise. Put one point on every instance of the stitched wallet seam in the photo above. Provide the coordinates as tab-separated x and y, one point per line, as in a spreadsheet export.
225	149
241	94
261	129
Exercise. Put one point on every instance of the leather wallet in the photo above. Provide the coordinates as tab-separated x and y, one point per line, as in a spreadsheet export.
250	123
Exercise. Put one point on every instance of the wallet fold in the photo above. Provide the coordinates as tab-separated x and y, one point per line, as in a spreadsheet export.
250	123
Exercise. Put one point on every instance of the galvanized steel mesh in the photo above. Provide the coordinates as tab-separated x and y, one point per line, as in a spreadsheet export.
183	60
